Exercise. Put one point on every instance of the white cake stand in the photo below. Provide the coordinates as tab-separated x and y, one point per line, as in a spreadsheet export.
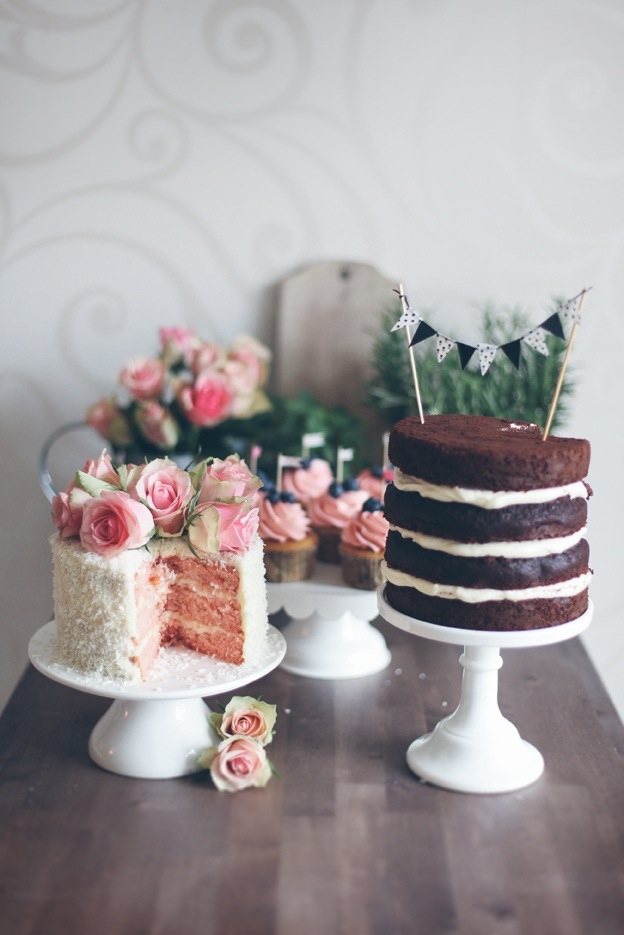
476	749
329	635
156	729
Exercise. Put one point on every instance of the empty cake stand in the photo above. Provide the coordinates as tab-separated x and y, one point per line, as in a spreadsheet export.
476	749
329	634
156	729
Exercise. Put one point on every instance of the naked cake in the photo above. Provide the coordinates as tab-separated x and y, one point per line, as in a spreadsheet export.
487	524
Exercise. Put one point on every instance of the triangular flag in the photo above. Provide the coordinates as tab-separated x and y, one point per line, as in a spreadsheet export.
409	317
513	350
443	346
569	310
423	332
487	353
465	353
553	324
537	340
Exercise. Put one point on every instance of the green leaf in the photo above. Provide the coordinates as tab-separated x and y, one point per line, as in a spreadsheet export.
92	485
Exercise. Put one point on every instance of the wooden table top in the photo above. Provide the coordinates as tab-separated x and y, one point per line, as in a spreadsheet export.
348	840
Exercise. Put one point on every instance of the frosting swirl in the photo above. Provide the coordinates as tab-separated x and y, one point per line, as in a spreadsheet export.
375	480
336	511
308	482
282	521
367	530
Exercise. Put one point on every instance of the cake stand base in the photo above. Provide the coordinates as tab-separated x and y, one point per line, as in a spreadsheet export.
329	634
152	739
476	749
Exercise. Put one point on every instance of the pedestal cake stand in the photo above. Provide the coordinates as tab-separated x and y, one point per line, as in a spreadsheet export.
329	635
156	729
476	749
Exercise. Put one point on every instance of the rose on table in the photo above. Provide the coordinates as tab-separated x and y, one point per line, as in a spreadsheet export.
245	727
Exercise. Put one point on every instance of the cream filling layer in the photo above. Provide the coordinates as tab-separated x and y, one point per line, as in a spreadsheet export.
537	548
568	588
486	499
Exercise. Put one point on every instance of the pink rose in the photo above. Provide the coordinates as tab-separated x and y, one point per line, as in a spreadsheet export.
247	369
67	508
114	522
206	356
178	344
206	402
253	356
166	490
246	717
240	763
102	469
106	417
225	480
157	425
223	527
143	377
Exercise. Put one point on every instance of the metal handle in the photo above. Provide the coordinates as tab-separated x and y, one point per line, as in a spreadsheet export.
45	479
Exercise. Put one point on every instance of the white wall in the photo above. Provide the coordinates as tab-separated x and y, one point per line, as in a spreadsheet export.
168	161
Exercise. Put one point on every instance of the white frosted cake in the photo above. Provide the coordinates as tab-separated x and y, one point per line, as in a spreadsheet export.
151	556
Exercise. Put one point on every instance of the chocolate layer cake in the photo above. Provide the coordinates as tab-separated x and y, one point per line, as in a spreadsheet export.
487	524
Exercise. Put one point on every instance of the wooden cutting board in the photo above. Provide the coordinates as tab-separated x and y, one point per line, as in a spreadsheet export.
327	316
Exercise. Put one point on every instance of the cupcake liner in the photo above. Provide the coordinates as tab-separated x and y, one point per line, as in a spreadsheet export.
329	545
361	571
284	565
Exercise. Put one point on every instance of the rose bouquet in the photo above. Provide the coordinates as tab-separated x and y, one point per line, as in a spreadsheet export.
114	508
245	727
193	396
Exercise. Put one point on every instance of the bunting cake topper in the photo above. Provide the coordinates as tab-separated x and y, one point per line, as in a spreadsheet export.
569	311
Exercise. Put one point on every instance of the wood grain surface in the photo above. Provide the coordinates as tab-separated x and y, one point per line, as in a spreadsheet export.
348	840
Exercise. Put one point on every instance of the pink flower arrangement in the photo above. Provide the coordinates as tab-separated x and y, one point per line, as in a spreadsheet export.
169	401
112	509
245	727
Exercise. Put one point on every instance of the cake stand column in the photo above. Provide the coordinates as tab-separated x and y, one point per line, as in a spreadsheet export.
476	749
338	648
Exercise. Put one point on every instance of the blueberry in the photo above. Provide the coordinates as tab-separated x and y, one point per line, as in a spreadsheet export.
351	484
287	496
377	471
273	496
372	505
335	489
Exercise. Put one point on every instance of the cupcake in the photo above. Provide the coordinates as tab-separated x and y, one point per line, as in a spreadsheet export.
309	481
290	545
331	512
362	546
374	480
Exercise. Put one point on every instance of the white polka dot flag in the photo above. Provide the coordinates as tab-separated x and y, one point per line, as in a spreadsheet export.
408	318
568	311
537	340
487	353
443	346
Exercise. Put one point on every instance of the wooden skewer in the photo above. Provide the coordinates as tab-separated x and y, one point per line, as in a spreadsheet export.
555	399
410	351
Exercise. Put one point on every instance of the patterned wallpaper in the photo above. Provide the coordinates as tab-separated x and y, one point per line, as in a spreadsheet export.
169	162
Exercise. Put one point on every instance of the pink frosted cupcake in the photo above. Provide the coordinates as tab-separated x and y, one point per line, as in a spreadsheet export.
331	512
290	545
374	480
362	546
309	481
